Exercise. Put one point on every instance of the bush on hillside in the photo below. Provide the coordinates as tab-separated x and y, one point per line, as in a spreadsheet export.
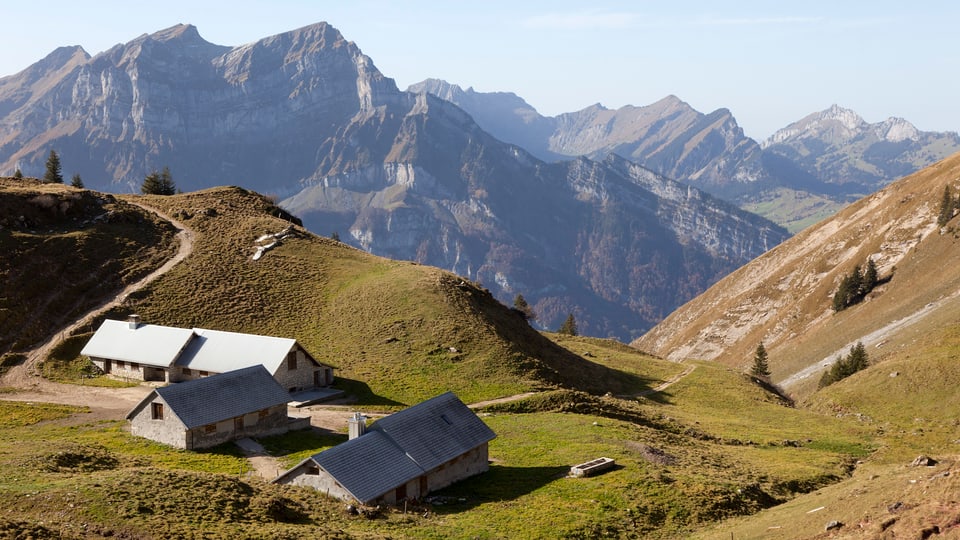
844	367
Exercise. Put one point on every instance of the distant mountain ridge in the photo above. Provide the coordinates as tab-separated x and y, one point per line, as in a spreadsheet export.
837	144
833	155
306	117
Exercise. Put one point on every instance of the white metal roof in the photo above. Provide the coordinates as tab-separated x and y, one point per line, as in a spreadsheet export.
149	344
218	352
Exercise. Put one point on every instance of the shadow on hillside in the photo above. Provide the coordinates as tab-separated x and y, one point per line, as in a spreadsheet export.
500	483
362	394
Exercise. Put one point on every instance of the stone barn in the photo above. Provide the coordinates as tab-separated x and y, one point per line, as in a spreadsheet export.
213	410
150	352
402	456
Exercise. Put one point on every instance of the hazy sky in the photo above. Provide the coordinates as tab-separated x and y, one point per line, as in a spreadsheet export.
769	62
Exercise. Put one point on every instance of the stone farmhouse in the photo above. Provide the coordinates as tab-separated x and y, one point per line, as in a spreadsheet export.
206	412
402	456
150	352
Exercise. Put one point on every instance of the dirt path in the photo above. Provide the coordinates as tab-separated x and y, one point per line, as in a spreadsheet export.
667	384
873	338
105	402
507	399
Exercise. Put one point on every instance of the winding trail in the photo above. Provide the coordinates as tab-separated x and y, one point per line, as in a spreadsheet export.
108	401
668	383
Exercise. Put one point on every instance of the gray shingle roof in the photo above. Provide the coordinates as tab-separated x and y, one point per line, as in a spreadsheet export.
368	466
149	344
435	431
405	445
218	351
221	397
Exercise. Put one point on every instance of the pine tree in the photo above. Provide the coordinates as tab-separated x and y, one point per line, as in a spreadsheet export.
335	236
520	304
18	174
569	326
761	368
76	181
857	359
53	174
869	277
151	184
946	207
158	183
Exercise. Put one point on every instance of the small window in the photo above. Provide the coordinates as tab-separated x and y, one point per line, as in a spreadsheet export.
120	363
156	411
210	428
204	374
134	365
292	361
313	470
263	414
186	371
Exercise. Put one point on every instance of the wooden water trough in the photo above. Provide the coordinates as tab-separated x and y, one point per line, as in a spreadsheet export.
592	467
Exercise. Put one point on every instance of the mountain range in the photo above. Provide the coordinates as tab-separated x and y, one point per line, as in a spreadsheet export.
305	117
832	157
605	233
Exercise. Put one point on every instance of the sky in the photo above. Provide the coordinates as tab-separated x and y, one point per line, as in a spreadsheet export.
770	63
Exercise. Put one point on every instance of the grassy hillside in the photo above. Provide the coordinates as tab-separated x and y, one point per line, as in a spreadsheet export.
399	331
64	250
783	298
713	445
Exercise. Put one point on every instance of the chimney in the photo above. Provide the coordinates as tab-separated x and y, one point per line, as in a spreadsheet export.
133	321
357	425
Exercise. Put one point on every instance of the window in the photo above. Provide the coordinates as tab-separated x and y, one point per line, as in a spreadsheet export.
156	411
313	469
238	423
210	428
134	365
119	363
204	374
263	414
186	371
292	360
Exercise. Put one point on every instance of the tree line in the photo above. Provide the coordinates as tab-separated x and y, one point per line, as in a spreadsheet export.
154	183
846	366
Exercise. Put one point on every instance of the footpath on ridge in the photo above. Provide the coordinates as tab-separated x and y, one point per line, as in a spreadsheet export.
105	402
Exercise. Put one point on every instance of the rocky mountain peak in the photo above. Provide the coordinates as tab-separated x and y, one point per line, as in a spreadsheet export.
834	125
897	129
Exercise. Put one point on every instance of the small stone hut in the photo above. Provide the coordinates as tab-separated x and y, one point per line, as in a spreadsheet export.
206	412
402	456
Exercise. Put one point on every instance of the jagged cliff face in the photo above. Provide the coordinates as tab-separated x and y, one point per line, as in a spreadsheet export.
615	244
212	113
838	147
669	137
307	117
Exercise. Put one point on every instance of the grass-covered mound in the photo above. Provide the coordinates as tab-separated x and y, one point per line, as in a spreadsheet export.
398	332
64	251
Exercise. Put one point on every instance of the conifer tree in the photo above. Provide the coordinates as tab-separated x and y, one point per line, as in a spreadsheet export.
869	277
335	236
521	305
158	183
569	326
761	368
76	181
946	207
18	174
53	174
